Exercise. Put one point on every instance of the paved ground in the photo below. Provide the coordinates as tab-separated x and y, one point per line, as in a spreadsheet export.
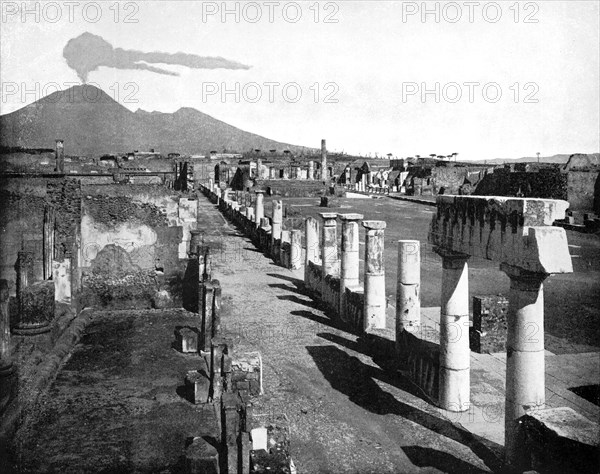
116	405
572	301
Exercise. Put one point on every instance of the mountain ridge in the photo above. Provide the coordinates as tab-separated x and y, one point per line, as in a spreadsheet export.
92	123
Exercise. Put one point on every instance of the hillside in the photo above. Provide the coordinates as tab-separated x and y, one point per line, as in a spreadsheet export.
92	123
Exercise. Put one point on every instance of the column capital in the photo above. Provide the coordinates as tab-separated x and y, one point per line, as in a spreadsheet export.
259	191
374	225
450	255
350	217
328	218
524	276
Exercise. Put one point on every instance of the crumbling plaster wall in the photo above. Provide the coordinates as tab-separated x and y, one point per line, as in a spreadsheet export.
130	239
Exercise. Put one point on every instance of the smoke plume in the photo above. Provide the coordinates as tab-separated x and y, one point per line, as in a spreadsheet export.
88	52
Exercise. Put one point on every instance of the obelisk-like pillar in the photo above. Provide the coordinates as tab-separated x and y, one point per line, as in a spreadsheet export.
525	365
350	261
374	281
324	175
408	289
60	156
455	354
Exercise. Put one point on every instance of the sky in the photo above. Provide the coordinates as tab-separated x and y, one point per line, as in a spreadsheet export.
483	79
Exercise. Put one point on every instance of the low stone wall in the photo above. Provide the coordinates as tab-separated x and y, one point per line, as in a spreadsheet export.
488	333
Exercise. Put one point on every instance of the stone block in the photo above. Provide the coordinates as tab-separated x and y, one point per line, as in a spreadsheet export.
559	440
187	340
488	333
244	366
197	387
201	457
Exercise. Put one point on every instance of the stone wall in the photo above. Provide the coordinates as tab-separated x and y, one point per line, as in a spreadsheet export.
132	240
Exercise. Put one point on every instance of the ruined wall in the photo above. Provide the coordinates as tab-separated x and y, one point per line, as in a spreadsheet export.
545	184
292	188
130	237
22	202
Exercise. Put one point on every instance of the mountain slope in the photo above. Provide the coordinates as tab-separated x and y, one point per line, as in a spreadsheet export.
92	123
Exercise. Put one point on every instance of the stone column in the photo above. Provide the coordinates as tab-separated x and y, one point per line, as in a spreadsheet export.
6	365
408	289
349	269
259	212
276	221
60	156
48	248
324	176
455	354
329	254
311	240
374	308
295	249
211	185
525	366
311	170
258	167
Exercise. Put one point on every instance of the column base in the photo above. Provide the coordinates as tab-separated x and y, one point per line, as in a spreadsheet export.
455	389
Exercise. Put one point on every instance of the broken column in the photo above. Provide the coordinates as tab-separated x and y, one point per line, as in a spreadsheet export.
311	241
48	246
374	281
525	366
6	366
276	222
295	249
349	269
408	292
60	156
323	160
259	212
329	244
311	169
455	354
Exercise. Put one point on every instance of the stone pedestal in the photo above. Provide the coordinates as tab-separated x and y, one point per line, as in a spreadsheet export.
408	289
349	268
375	302
525	377
455	354
259	212
196	240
